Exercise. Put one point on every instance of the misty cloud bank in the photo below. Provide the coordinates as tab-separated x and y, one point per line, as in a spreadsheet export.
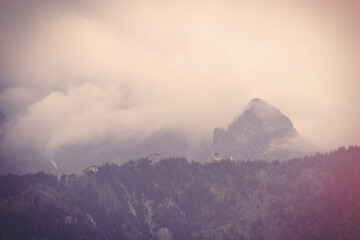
99	74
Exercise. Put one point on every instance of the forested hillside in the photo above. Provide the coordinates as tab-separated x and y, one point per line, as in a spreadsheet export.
315	197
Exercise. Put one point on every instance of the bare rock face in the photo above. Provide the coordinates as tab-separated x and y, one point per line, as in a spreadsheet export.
261	132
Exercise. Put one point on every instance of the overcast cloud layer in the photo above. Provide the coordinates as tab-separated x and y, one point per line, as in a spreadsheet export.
78	73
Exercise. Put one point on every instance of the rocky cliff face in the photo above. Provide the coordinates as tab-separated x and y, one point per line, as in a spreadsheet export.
261	132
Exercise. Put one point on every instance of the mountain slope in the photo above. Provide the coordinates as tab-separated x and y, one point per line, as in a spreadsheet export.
312	198
261	132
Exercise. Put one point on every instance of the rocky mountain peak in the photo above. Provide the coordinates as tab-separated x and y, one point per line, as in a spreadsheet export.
262	118
260	132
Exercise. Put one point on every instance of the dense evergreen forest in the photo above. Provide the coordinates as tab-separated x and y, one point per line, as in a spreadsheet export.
316	197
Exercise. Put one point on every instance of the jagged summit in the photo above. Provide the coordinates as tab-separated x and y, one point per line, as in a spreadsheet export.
261	108
256	101
260	118
261	132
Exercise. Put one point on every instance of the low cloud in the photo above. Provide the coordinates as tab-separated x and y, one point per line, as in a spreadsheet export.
77	73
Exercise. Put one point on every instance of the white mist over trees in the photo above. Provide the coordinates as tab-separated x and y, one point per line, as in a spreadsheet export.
260	132
88	73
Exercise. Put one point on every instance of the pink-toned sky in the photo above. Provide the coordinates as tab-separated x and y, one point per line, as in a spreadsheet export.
82	71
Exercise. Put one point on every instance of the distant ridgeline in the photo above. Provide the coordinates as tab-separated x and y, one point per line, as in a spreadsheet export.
315	197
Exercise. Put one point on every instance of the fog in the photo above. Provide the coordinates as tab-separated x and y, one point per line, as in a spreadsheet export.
83	72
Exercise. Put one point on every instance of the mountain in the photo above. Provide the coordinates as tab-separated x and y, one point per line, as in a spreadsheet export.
311	198
165	142
75	157
261	132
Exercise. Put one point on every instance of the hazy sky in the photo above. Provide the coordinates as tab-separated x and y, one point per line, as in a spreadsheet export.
83	71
